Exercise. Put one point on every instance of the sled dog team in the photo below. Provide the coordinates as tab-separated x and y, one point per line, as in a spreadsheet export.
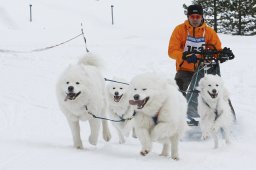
150	107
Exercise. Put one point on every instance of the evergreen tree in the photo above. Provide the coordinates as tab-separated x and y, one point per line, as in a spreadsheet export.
230	16
244	17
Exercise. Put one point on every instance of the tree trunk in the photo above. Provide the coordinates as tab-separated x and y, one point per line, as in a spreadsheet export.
239	18
215	16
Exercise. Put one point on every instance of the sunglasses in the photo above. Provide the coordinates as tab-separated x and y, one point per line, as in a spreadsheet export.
195	16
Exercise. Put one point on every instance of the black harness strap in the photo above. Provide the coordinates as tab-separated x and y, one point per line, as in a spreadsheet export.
103	118
215	111
155	119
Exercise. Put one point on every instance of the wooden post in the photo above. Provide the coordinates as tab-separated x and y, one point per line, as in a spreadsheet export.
112	14
30	9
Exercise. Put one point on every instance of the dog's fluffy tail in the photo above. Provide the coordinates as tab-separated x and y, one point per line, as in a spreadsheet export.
91	60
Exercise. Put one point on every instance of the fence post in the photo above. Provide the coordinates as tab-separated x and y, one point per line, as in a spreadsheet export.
112	14
30	9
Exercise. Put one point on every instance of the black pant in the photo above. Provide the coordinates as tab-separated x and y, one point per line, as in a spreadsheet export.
183	79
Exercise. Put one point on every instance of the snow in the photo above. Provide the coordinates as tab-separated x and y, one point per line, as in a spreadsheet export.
34	133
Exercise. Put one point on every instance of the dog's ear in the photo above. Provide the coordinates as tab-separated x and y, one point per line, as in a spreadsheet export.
221	81
206	77
201	84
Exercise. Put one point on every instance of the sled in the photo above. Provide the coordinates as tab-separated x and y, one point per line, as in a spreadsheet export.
209	63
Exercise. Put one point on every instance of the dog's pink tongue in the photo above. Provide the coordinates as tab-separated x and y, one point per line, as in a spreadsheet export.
134	102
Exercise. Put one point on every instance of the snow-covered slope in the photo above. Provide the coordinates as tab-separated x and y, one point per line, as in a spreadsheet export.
34	133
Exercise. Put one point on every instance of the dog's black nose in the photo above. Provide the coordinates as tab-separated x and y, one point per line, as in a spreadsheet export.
214	91
136	97
116	93
70	88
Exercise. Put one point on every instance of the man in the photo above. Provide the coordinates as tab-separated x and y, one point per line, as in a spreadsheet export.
190	36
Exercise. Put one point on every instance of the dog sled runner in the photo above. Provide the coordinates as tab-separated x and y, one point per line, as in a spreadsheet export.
209	63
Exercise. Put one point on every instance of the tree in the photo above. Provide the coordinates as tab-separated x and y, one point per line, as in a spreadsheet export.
244	17
230	16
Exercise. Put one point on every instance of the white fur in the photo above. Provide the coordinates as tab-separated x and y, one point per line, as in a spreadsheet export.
208	124
86	78
119	108
165	101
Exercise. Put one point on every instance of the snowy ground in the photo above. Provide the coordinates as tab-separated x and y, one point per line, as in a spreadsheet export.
34	133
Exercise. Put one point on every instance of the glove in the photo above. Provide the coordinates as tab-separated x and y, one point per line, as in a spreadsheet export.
225	54
192	58
226	50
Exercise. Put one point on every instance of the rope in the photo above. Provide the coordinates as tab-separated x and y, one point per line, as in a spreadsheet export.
84	38
115	81
41	49
195	83
103	118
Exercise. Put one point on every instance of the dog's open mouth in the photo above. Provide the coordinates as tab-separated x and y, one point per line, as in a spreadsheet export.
213	95
140	103
72	96
117	98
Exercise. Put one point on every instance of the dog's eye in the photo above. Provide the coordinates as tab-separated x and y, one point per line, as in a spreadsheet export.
135	89
144	89
217	85
209	85
121	88
67	82
114	88
77	83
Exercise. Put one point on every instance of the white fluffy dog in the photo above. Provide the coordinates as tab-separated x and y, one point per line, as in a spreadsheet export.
119	108
213	108
160	113
80	91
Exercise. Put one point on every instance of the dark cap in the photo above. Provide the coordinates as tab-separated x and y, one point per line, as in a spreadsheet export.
195	9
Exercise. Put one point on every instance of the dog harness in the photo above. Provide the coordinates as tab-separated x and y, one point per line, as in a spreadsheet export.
104	118
155	118
215	110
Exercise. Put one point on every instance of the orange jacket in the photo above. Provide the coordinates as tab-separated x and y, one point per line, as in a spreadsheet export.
178	40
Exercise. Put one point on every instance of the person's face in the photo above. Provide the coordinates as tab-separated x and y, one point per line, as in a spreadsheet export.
195	20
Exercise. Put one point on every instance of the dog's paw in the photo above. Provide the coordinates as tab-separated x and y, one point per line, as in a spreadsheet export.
204	137
164	154
214	129
107	136
93	140
176	158
144	152
121	141
78	145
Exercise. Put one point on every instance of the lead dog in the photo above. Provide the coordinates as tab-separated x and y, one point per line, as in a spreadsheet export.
81	91
160	113
213	108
